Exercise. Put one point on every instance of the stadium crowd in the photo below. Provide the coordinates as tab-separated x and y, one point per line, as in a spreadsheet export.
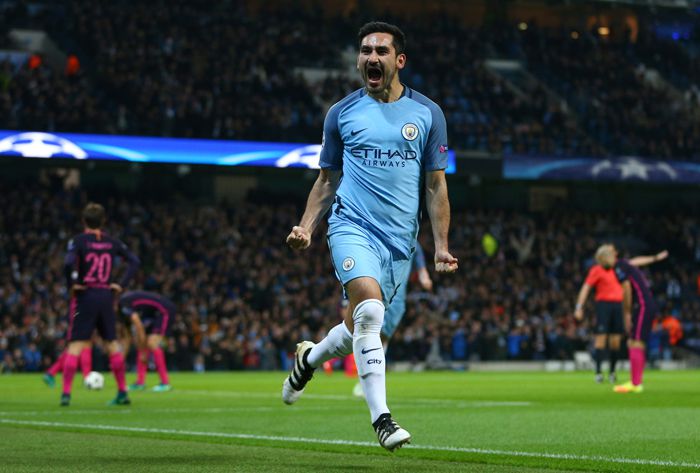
622	103
217	72
244	299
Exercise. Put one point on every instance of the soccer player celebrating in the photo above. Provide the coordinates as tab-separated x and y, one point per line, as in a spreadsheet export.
149	314
88	266
386	141
639	327
608	303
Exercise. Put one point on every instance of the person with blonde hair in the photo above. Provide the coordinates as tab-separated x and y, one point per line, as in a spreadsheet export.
608	325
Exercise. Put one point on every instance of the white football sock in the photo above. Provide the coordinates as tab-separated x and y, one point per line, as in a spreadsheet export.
338	343
369	354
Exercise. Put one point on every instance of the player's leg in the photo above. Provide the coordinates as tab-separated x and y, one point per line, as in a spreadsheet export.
81	326
637	355
142	354
641	327
367	316
337	343
70	368
392	317
154	345
107	328
141	370
599	342
617	328
600	329
353	255
54	369
637	350
309	356
615	341
118	367
86	360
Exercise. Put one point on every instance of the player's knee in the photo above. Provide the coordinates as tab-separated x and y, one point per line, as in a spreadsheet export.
153	342
368	316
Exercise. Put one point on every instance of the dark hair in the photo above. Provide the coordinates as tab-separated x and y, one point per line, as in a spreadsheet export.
94	215
399	41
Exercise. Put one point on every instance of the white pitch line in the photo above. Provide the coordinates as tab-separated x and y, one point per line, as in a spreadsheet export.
337	397
277	438
220	410
173	410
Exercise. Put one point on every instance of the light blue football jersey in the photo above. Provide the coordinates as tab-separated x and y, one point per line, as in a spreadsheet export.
383	150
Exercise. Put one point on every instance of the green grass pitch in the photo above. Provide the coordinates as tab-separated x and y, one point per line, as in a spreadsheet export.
490	422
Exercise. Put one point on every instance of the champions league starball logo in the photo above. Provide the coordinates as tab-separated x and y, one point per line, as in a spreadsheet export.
40	145
630	167
306	156
624	168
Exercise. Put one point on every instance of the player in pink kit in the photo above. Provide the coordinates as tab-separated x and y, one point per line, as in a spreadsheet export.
89	266
638	325
149	314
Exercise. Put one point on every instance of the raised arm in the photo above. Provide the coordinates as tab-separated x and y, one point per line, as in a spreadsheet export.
319	201
647	260
438	206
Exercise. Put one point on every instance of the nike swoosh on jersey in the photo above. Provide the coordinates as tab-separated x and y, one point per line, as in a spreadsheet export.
355	132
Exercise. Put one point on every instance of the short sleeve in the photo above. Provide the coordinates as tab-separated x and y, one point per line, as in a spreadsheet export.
435	152
593	276
621	273
331	143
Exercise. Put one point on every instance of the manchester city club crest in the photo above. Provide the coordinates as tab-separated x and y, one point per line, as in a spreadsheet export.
410	131
348	264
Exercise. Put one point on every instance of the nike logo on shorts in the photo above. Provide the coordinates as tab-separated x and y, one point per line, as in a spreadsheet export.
364	352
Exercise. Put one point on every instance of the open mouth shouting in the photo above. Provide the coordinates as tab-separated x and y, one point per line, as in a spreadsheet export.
374	76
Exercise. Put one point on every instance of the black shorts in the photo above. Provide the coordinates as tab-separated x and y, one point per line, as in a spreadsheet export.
608	318
643	319
89	310
154	323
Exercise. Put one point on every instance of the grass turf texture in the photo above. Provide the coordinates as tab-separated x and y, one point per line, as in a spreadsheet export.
491	422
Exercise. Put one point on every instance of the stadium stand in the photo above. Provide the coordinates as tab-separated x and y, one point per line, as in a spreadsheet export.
244	299
244	82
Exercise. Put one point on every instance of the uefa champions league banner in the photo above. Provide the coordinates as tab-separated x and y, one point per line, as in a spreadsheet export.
625	168
164	150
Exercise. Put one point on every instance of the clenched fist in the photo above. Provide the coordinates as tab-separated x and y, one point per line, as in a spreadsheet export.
299	238
445	262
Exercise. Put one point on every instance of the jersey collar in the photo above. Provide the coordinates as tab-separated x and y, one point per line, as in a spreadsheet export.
406	92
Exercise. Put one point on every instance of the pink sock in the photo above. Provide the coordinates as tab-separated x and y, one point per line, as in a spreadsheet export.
637	362
159	358
141	366
57	367
86	361
350	366
116	363
70	366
